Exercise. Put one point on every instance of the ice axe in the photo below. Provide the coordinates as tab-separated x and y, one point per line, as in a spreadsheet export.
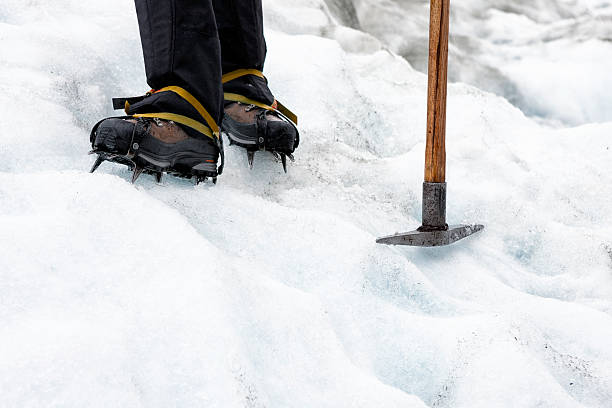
435	231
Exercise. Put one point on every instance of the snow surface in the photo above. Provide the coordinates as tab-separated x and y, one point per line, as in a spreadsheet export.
268	289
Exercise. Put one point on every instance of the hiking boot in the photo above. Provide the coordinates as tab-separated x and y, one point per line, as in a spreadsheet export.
154	146
256	128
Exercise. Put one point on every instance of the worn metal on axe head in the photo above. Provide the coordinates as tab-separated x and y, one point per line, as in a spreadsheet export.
431	238
434	231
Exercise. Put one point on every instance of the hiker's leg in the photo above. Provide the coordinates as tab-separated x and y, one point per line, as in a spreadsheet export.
181	48
243	46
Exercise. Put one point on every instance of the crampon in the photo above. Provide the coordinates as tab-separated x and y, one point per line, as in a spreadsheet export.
154	146
261	128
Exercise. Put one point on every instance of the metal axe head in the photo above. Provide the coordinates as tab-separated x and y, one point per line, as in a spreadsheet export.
434	231
424	238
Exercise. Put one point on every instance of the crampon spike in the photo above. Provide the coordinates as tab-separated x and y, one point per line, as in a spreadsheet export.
214	180
283	157
200	179
137	172
250	158
290	156
99	161
158	177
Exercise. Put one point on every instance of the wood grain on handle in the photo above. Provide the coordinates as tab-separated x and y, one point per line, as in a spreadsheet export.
435	154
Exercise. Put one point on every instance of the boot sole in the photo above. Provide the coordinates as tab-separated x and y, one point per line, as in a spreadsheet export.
155	165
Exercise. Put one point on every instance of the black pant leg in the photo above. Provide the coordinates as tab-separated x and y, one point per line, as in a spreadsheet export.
181	48
243	46
240	27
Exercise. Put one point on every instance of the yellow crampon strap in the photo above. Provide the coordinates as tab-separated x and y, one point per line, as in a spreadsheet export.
240	73
242	99
212	130
183	120
196	104
285	111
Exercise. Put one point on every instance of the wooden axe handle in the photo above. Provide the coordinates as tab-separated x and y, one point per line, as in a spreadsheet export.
435	154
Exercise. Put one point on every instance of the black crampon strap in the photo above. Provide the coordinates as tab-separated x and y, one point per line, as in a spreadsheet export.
92	135
124	103
262	130
135	140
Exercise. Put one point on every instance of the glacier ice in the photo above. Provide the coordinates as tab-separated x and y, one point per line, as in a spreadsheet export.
551	58
268	289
